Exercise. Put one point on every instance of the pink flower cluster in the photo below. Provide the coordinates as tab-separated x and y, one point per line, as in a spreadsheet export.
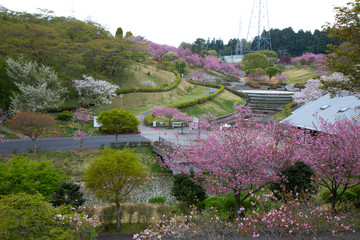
296	218
77	220
82	115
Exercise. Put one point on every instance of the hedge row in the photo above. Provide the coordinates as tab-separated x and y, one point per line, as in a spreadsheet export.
63	108
237	93
164	89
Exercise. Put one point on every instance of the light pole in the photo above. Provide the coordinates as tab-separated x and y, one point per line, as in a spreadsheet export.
121	98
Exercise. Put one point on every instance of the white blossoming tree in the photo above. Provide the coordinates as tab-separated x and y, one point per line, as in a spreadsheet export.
311	92
93	91
39	86
313	88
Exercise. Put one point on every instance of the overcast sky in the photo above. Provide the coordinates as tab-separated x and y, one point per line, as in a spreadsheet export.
172	22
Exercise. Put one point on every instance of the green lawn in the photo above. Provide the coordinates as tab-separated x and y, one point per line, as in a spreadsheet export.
221	105
142	102
298	75
73	162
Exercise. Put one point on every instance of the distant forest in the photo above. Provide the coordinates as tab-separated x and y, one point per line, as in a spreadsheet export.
285	42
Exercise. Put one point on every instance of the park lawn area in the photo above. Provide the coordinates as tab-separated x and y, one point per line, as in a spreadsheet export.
298	75
73	162
142	102
221	105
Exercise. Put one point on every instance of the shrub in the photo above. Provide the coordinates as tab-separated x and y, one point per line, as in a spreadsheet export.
108	214
130	209
144	213
352	195
149	119
186	190
65	115
298	85
67	194
164	211
272	86
295	179
157	200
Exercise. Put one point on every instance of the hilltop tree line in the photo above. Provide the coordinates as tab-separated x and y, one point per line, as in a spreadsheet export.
69	46
285	42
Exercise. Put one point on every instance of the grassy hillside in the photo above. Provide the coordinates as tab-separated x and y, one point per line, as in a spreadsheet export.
142	73
219	106
298	75
142	102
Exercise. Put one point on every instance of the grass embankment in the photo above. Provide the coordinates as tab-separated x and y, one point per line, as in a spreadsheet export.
286	112
221	105
142	102
73	162
298	75
142	73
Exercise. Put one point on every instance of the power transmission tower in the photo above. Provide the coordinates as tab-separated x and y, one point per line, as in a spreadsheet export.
260	37
239	48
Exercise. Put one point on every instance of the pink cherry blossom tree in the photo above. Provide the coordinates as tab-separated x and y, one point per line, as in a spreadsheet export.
237	160
81	136
281	78
203	123
169	113
334	154
197	75
211	63
82	115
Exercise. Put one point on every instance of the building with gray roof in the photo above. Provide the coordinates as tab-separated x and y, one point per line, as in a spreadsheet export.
327	108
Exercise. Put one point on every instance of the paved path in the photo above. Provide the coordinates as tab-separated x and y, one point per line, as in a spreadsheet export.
65	143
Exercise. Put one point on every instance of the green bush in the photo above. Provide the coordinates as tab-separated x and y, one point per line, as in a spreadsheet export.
149	119
65	115
118	121
108	214
295	179
68	193
130	209
144	213
164	211
352	195
157	200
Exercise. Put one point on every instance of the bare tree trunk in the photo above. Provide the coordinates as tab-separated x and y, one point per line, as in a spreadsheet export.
237	201
118	216
34	141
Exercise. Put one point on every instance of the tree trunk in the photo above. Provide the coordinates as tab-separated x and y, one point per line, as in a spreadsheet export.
118	216
34	141
237	201
333	201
